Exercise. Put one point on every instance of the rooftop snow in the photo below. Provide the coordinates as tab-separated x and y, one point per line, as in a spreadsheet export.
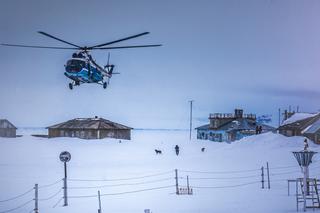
297	117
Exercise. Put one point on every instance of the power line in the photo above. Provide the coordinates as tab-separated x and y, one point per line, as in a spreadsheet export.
51	184
18	196
120	193
227	186
220	172
123	179
50	197
123	184
18	207
283	173
223	178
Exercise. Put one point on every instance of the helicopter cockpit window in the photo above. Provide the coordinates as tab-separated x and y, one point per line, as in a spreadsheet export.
74	65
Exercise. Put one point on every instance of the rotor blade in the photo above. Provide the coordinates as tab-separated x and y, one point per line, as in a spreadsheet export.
125	47
42	47
116	41
46	34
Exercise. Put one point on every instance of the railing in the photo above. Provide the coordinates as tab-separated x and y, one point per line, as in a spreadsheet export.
231	115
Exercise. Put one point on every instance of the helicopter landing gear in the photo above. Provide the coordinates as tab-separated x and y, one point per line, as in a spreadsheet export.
104	85
70	86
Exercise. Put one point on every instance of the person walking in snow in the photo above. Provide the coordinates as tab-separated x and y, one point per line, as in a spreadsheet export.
260	129
177	149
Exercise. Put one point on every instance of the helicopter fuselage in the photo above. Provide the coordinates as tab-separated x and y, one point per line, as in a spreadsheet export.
82	70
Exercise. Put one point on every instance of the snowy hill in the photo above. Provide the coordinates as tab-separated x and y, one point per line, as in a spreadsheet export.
131	177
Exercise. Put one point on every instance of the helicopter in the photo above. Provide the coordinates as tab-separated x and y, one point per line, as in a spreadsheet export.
82	68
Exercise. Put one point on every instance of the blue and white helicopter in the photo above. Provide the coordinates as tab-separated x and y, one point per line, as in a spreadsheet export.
82	68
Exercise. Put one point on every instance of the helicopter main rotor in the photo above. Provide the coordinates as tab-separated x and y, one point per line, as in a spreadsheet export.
85	49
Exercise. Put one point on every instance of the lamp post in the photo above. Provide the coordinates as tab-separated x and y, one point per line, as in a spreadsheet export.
304	159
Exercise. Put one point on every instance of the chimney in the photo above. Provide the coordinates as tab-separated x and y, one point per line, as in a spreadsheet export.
285	115
238	113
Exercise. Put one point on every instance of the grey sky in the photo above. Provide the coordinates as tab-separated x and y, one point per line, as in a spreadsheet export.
258	55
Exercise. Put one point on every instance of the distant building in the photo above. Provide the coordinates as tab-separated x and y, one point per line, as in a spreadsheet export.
230	127
7	129
90	128
302	124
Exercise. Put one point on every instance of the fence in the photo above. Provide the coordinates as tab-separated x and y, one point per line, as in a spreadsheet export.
182	182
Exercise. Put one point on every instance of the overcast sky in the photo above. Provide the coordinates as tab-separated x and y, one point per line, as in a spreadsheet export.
258	55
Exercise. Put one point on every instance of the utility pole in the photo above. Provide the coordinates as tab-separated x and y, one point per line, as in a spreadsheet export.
36	209
190	118
279	121
177	184
99	210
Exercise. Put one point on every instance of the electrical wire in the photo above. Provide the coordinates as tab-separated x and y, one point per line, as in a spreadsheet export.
50	197
18	196
48	185
283	173
123	179
227	186
55	205
123	184
221	172
222	178
121	193
18	207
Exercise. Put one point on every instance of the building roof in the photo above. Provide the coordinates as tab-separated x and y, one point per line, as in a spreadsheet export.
5	124
89	123
302	124
298	116
237	125
313	128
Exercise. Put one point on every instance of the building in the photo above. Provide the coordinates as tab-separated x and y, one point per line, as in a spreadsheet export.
90	128
302	124
230	127
7	129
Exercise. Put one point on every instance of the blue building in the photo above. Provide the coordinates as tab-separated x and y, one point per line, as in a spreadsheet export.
226	127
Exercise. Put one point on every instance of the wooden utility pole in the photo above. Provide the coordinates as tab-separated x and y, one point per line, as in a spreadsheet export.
190	118
99	210
262	177
36	209
177	184
188	187
279	116
65	193
268	175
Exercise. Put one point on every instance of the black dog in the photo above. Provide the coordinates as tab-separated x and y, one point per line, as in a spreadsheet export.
202	149
158	151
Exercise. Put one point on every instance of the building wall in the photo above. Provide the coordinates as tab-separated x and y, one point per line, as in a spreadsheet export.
90	134
222	136
8	132
212	135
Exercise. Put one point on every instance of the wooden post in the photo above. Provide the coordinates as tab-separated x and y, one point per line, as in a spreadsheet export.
36	209
262	177
177	183
65	193
268	175
99	210
188	185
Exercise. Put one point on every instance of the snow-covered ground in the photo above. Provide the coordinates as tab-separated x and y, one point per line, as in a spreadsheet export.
131	177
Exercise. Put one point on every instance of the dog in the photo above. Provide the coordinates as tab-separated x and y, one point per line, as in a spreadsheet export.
202	149
158	151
